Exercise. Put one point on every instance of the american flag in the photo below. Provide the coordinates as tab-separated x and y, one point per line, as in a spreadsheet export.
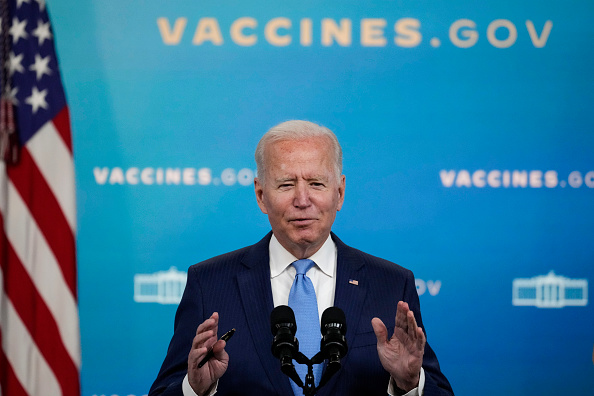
39	327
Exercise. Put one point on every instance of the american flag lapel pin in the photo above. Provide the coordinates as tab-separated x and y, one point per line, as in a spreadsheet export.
354	282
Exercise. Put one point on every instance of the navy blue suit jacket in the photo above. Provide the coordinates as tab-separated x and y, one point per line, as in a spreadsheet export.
237	286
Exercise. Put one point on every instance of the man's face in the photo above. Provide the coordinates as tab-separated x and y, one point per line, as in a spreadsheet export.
301	193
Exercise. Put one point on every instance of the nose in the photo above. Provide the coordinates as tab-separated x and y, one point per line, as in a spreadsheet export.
301	199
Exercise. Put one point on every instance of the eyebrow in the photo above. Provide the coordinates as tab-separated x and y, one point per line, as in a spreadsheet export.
284	179
289	178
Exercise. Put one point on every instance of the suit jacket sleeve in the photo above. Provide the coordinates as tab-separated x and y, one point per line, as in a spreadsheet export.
175	366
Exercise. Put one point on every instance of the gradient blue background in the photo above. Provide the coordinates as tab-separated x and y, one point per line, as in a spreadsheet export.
402	115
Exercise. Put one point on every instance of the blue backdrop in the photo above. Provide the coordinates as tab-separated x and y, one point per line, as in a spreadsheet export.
468	141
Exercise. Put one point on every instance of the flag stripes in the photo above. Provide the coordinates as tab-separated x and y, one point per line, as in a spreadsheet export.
62	123
10	384
54	160
24	357
45	209
41	265
39	321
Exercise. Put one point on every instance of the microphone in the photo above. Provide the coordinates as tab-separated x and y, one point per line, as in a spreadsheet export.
284	343
333	345
334	327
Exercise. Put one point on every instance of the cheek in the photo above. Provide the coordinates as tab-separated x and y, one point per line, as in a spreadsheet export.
275	205
329	204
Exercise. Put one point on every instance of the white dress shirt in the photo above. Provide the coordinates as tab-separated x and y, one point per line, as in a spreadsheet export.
282	273
322	275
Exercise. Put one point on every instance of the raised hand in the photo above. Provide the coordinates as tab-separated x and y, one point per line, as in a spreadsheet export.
401	354
202	379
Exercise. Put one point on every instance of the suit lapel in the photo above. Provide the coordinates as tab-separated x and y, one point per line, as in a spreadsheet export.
351	289
256	297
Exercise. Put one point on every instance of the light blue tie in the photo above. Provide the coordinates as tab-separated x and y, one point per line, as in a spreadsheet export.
302	299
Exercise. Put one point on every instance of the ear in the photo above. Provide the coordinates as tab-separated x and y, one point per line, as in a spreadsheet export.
259	189
341	193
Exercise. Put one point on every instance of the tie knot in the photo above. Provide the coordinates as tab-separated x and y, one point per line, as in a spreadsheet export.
302	266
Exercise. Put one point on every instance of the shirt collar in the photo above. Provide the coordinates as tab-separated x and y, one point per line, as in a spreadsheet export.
280	258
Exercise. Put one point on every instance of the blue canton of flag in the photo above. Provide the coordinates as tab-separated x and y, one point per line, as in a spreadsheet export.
35	88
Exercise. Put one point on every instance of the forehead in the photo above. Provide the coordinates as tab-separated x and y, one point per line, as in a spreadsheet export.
314	148
314	155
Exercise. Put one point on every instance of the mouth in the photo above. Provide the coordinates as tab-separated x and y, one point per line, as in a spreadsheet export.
302	222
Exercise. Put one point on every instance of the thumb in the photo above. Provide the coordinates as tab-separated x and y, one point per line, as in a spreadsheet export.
380	330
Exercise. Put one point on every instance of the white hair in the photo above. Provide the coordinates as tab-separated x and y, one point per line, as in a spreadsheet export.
297	130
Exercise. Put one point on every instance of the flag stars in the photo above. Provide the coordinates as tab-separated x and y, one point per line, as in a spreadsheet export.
37	99
41	66
11	95
14	63
42	32
17	30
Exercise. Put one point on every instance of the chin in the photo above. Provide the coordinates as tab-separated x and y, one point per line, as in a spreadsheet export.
305	239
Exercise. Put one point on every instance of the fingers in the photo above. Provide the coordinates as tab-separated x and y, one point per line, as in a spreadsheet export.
412	324
405	319
401	316
211	323
406	329
201	379
415	333
420	339
206	333
200	340
219	349
380	330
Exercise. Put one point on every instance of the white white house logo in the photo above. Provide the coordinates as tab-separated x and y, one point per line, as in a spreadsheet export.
550	291
163	287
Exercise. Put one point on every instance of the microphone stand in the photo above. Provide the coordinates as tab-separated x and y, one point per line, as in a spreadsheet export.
332	367
286	347
309	388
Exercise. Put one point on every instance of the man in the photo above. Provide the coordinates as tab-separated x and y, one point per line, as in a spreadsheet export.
300	187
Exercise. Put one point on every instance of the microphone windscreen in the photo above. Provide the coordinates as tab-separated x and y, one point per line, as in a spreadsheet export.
334	315
282	314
